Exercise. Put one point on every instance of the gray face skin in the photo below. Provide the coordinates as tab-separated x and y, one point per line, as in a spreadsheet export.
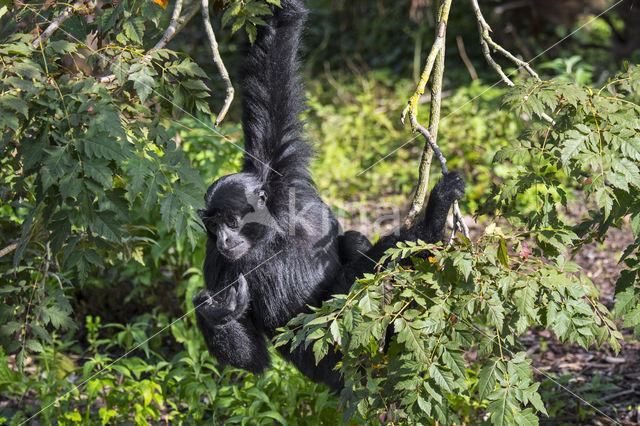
229	241
233	215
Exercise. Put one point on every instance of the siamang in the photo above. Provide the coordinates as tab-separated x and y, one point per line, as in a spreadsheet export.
274	248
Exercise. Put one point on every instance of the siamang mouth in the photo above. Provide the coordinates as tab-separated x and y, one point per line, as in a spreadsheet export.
235	252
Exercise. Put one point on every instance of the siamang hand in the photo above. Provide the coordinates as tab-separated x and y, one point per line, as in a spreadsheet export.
224	307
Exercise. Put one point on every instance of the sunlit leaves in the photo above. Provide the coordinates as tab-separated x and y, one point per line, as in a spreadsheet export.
593	147
411	344
88	167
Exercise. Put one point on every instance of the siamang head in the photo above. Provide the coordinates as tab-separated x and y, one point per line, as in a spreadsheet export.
236	216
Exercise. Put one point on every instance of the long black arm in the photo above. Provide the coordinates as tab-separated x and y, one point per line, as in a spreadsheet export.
273	99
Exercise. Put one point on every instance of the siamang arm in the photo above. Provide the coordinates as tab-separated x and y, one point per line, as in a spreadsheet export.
273	99
228	331
237	343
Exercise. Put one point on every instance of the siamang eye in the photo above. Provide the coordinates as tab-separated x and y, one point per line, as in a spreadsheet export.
211	224
233	222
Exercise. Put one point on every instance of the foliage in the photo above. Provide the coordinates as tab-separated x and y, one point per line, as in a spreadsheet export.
595	145
456	300
403	332
100	179
148	387
85	166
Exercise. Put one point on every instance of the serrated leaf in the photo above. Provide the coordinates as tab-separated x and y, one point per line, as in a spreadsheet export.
487	379
34	346
143	83
443	378
503	254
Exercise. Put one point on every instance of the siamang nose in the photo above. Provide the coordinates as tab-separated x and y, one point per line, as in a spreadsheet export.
224	240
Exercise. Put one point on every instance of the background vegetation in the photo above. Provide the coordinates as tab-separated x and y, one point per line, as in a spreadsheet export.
101	249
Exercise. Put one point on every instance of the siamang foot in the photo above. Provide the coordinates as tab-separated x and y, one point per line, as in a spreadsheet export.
222	307
449	188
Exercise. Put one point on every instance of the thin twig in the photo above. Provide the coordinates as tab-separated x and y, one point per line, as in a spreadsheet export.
434	146
487	42
56	24
454	229
218	61
465	58
460	219
8	249
176	25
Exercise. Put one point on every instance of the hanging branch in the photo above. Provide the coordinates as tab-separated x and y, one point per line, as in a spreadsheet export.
487	42
176	25
218	61
56	24
435	62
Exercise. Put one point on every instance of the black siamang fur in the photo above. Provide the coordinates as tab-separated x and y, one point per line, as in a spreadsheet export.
274	247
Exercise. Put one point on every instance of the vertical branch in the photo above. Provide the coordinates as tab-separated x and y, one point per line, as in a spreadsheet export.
430	141
434	60
218	61
171	29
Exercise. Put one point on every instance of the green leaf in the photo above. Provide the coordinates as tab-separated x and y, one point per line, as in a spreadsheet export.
237	24
99	171
526	418
57	318
134	29
231	11
34	346
443	378
105	225
169	209
503	254
320	349
15	103
487	378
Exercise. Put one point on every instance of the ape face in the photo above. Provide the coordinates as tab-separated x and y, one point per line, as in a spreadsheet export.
235	214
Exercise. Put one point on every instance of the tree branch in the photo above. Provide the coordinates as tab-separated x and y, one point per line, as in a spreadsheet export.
171	29
8	249
176	25
435	62
56	24
218	61
465	58
487	42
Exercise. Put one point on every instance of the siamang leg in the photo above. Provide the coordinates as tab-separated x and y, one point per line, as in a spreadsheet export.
430	229
352	245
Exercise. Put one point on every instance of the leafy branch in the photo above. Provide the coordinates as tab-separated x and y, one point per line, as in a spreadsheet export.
66	13
487	42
